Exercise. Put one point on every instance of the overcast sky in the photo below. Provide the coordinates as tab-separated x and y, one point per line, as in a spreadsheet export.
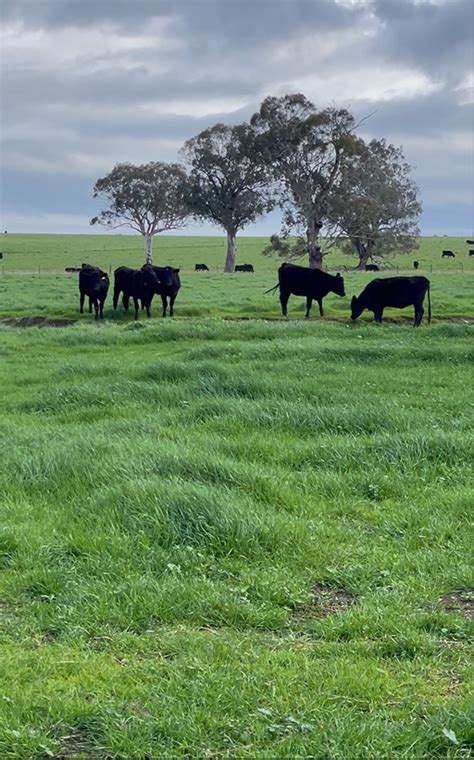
89	83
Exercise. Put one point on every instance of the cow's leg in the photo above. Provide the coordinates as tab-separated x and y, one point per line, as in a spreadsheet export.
125	301
81	303
172	300
378	315
101	310
309	302
137	305
320	304
419	311
165	304
284	302
90	305
96	307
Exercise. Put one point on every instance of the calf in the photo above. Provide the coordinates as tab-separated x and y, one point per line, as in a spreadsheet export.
471	252
169	284
397	292
371	268
470	242
138	284
448	254
416	264
244	268
94	283
302	281
201	268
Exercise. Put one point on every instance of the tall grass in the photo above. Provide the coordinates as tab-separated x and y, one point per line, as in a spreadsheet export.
179	502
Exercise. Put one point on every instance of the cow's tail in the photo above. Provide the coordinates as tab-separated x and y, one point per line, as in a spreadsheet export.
429	303
272	289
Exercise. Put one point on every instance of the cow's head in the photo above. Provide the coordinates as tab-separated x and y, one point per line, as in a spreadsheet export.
356	308
339	285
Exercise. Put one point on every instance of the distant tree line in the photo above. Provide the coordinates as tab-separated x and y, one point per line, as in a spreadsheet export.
329	184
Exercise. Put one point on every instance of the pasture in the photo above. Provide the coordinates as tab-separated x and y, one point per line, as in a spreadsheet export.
233	538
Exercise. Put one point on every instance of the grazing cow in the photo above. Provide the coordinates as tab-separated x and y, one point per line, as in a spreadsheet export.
138	284
471	252
416	264
1	255
397	292
169	284
448	254
244	268
312	283
201	268
71	270
371	268
470	242
94	283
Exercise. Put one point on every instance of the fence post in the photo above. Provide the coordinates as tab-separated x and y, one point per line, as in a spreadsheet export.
431	267
462	268
110	268
39	269
398	269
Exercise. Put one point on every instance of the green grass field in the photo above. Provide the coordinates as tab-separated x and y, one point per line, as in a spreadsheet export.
234	539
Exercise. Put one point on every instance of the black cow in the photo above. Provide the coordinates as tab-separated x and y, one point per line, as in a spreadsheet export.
1	255
312	283
94	283
201	268
244	268
471	252
470	242
416	264
168	287
138	284
371	268
448	254
397	292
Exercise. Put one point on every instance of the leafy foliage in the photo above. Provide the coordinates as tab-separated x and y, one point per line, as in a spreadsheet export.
305	150
227	186
149	198
376	204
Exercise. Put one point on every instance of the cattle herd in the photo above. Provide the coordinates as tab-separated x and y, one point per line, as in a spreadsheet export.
141	285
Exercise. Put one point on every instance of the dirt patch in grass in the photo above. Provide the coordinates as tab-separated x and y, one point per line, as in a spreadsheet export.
38	322
461	602
325	600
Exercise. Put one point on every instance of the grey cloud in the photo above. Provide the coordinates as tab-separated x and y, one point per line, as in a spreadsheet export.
438	38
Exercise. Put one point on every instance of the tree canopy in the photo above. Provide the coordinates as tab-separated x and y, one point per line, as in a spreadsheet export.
305	149
376	205
149	198
227	186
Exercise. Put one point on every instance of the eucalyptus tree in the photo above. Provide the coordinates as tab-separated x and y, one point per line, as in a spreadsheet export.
305	150
376	205
227	185
148	198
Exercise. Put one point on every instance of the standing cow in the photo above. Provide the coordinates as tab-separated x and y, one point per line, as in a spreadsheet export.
416	264
201	268
471	252
448	255
371	268
138	284
312	283
94	283
396	292
169	285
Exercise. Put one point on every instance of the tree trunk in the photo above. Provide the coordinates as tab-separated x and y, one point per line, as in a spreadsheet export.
362	253
148	245
314	251
230	257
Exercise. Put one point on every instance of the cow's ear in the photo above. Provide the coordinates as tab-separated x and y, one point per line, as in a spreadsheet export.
176	271
338	274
